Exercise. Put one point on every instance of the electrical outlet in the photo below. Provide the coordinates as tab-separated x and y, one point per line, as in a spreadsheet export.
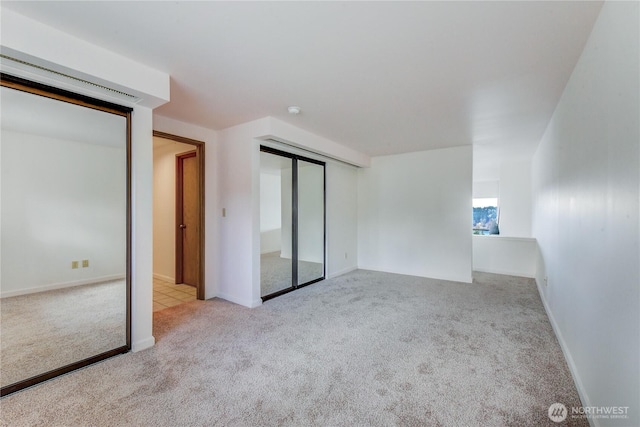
85	263
74	264
224	212
345	255
546	281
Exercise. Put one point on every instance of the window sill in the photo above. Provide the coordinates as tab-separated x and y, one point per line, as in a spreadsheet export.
500	237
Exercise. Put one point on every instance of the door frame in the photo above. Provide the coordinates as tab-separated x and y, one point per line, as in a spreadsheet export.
199	149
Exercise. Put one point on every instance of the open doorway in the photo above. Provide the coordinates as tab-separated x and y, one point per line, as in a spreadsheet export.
178	220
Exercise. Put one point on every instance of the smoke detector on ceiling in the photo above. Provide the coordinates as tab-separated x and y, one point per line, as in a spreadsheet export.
294	110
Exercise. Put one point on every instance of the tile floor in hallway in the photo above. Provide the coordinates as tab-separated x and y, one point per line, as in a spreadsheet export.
167	294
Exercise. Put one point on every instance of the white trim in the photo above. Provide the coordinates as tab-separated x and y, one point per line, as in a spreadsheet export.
165	278
582	392
343	271
500	237
62	285
507	273
466	279
143	344
240	301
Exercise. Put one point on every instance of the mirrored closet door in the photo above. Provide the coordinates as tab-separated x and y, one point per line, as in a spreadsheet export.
292	222
310	221
65	232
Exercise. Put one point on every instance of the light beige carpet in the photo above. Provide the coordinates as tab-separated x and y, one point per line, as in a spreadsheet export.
363	349
47	330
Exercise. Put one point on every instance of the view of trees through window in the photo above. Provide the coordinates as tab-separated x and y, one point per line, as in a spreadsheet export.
485	216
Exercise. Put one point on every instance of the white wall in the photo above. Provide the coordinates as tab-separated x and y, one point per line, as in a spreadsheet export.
164	207
515	256
586	215
414	214
486	189
142	230
342	218
513	191
62	201
239	173
513	251
270	212
515	199
211	195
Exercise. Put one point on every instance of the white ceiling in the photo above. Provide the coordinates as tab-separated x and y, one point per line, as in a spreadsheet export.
379	77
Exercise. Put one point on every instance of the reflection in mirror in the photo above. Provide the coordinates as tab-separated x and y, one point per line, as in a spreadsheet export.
310	222
64	235
275	223
292	222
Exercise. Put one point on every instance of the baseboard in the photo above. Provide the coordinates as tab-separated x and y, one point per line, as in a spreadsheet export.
506	273
240	301
343	271
269	251
165	278
460	279
143	344
61	285
584	397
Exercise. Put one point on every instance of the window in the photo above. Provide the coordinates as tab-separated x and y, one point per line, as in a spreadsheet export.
485	216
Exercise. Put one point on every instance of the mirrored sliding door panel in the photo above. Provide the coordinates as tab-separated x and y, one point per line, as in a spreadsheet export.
310	222
276	257
292	222
64	221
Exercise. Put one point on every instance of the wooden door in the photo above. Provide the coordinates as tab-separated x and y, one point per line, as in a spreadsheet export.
187	219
